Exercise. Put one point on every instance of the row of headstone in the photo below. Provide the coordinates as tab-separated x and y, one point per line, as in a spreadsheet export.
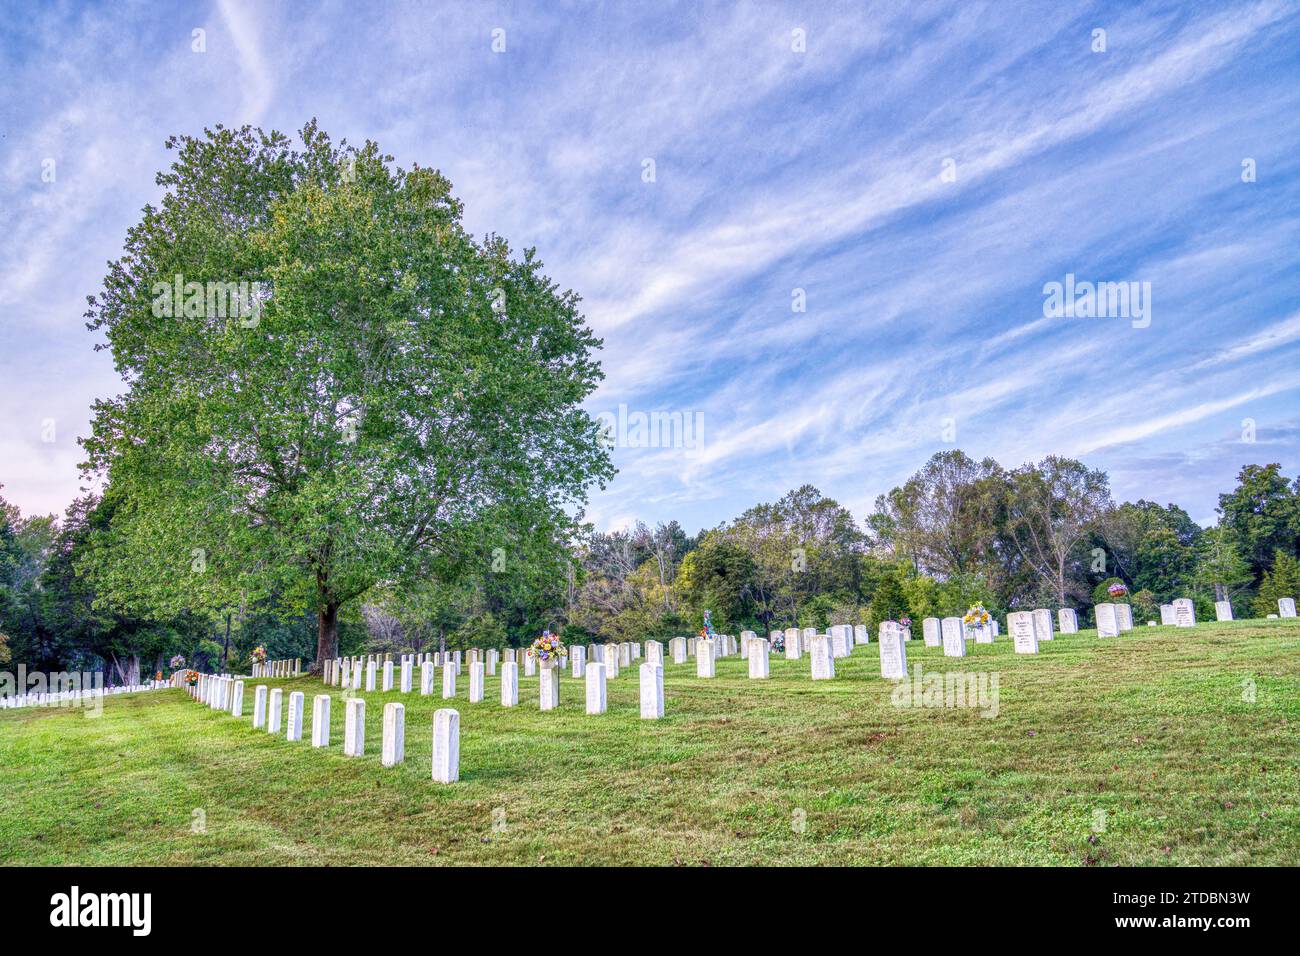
282	668
227	693
548	676
79	696
842	639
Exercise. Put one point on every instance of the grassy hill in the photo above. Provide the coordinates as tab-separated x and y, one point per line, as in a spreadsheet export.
1146	749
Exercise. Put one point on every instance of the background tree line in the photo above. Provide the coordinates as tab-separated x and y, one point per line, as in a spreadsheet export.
956	532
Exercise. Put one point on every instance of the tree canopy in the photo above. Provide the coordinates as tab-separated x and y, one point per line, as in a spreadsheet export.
378	396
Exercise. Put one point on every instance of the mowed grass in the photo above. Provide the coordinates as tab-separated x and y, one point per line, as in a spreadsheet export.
1158	728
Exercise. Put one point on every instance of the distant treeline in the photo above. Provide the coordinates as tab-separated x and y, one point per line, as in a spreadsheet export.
957	532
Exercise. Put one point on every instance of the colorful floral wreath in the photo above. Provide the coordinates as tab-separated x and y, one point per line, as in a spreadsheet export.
547	647
258	655
1117	590
191	677
707	632
976	617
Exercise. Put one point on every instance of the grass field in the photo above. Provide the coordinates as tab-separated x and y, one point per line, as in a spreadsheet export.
1156	729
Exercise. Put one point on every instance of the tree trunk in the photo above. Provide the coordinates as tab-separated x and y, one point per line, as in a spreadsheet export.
327	635
225	647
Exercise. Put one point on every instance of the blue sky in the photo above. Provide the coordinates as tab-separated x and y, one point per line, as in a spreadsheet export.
774	170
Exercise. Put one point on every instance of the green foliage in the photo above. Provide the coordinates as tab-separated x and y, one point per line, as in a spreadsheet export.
889	602
1101	593
1146	607
1220	568
402	395
1263	515
1280	581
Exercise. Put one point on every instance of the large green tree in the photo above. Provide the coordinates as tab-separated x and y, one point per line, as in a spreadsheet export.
1263	513
1051	507
390	387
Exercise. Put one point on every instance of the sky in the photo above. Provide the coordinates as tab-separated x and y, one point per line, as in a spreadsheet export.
821	234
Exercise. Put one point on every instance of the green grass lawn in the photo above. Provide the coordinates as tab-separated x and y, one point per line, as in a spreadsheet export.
1157	729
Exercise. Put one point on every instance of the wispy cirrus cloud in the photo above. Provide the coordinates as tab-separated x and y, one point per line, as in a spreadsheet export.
779	174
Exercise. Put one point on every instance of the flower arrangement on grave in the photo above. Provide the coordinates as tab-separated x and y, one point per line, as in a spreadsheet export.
976	617
905	622
778	642
158	675
1117	590
707	632
177	662
547	649
258	655
191	677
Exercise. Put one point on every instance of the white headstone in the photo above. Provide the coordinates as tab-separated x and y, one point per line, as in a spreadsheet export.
393	743
1069	621
893	655
704	664
1124	614
654	653
370	676
476	670
840	638
449	680
823	660
625	654
1042	624
293	729
596	689
493	659
759	658
354	726
930	631
509	684
611	661
1107	620
677	647
259	706
549	679
388	676
446	746
652	691
237	699
407	665
792	646
1022	627
805	639
953	637
1223	610
860	635
273	711
1286	607
530	664
320	720
426	678
1184	613
1167	614
578	660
